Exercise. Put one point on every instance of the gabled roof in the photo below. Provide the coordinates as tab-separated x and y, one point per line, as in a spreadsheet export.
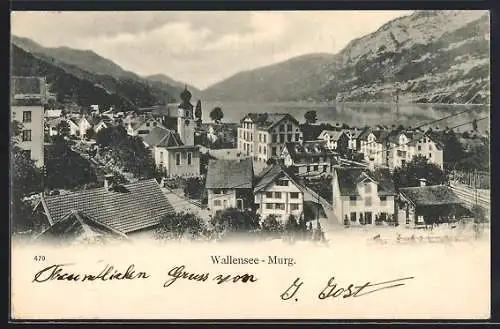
268	120
430	195
353	133
55	122
334	134
364	134
299	151
270	174
230	174
162	137
76	224
139	205
349	177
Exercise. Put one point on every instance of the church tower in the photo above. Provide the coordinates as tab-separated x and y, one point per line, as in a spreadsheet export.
185	118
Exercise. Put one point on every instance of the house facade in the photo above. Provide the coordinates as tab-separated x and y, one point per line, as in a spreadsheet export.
277	192
335	140
263	135
141	126
361	195
372	146
229	184
311	158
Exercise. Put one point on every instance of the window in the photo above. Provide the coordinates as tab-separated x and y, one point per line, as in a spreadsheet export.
403	162
277	195
368	201
147	124
264	150
297	137
289	137
282	182
419	148
260	138
273	151
282	128
178	159
155	124
190	156
282	138
325	168
368	188
430	155
280	206
383	198
217	203
161	157
26	135
269	195
269	206
143	132
218	191
315	168
265	138
294	206
289	127
353	217
274	138
26	116
294	195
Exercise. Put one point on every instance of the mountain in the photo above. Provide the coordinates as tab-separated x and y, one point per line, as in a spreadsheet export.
428	56
162	78
83	77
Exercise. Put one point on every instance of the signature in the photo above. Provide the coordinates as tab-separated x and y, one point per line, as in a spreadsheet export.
334	290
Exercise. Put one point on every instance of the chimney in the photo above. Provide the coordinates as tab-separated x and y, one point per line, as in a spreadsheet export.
108	181
422	181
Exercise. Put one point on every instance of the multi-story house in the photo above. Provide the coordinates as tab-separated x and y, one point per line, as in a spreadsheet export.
360	195
263	135
141	126
28	97
278	192
372	146
311	158
335	140
402	146
353	135
229	184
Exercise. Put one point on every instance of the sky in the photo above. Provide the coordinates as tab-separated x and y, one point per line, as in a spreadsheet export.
200	48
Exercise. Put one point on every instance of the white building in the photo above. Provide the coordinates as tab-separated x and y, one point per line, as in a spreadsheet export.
263	135
361	195
277	192
372	146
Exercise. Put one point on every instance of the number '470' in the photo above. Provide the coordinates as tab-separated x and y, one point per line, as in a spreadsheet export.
39	258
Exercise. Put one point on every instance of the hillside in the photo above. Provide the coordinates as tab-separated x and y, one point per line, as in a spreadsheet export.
429	56
162	78
83	77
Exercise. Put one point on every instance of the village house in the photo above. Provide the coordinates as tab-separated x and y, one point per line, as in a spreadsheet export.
278	192
335	140
372	146
353	135
28	97
426	205
229	184
52	126
142	125
311	158
263	135
361	195
127	209
84	124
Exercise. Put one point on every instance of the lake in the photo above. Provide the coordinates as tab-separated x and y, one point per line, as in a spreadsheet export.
361	114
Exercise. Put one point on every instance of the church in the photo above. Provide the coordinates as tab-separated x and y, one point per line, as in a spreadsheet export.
174	152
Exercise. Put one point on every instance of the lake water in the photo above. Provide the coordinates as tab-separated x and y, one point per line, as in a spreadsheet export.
361	114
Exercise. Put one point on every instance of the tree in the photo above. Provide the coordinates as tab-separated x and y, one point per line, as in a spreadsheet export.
63	129
453	150
310	117
233	220
216	115
197	111
410	173
177	225
474	125
272	226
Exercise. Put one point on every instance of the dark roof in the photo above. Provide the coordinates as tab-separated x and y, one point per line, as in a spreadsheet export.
162	137
77	224
335	134
349	177
381	135
430	195
268	120
230	174
139	206
271	173
301	151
